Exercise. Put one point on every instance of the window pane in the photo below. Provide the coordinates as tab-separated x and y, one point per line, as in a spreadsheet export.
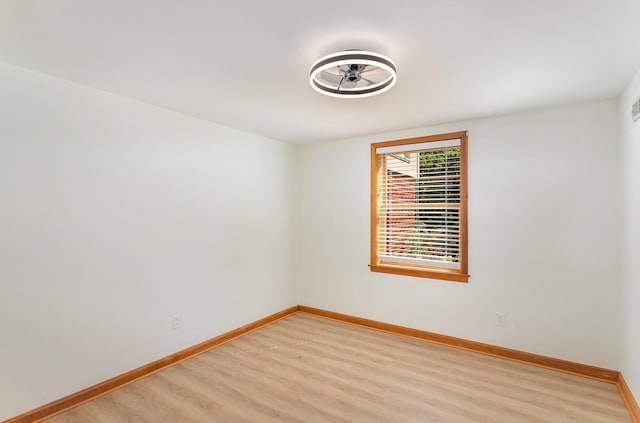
419	207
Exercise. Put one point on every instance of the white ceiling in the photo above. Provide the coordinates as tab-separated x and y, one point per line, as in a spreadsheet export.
245	64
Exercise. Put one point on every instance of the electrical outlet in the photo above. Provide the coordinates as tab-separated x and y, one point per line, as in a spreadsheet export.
501	319
176	321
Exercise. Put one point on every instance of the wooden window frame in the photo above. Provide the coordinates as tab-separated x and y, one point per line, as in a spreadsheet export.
423	271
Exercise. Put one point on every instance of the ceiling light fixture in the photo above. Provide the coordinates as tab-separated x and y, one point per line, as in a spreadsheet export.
353	73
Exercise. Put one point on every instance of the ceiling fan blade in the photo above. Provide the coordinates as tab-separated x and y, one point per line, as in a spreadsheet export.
368	80
337	71
329	78
370	69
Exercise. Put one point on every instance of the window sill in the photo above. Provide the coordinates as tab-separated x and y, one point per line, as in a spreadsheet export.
446	275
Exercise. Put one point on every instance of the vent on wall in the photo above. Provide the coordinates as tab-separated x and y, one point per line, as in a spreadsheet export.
635	110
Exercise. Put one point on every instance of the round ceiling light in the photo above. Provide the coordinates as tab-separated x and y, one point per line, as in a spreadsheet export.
353	73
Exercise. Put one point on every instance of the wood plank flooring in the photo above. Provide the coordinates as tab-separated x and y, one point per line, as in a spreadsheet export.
306	368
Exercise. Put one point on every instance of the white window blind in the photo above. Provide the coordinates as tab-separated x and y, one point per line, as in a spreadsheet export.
419	204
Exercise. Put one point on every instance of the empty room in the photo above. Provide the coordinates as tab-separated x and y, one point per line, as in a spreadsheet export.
291	211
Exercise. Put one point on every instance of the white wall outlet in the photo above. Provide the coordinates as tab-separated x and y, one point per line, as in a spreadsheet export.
501	319
176	321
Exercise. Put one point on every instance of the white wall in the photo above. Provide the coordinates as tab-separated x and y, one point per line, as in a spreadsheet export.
630	234
116	214
543	238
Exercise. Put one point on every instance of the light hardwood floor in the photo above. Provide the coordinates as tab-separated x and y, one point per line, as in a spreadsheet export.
306	368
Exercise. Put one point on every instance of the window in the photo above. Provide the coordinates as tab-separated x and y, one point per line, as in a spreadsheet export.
419	207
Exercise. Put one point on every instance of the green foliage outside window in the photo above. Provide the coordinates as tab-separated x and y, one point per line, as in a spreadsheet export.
439	181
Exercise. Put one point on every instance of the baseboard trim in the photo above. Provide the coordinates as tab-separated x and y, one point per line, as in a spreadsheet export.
59	406
598	373
56	407
629	400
